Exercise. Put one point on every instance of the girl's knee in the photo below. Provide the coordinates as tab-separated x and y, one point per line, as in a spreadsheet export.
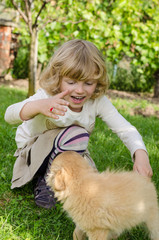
73	138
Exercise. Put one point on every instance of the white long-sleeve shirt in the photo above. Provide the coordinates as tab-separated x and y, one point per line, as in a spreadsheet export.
100	107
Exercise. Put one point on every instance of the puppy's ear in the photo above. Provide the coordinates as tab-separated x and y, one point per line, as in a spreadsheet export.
59	182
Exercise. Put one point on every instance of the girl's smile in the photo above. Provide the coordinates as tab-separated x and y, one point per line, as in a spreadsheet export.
79	92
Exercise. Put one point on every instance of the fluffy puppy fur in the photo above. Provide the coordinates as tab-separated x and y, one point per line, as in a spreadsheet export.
103	205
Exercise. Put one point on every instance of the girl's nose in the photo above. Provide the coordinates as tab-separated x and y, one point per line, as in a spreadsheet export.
79	88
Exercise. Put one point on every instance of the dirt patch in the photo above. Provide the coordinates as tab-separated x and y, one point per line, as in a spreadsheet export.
20	83
147	112
129	95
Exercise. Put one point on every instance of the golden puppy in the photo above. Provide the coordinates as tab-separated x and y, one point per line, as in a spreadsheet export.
103	205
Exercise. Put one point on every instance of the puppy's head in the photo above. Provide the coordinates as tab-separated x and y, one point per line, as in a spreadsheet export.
64	172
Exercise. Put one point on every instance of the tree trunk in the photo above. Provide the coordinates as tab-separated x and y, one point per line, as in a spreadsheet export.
156	89
33	61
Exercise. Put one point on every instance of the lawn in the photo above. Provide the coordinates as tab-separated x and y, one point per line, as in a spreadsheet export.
21	219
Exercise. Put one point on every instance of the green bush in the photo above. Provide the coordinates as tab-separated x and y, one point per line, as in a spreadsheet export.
128	80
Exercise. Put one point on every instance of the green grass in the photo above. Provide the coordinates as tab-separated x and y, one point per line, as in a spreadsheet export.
21	219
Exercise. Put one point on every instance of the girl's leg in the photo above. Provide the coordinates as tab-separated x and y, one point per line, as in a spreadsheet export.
72	138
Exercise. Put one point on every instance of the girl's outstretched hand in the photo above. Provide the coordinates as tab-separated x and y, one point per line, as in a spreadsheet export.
141	164
51	107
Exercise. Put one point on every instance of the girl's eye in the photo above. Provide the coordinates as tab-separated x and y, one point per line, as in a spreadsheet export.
89	83
70	82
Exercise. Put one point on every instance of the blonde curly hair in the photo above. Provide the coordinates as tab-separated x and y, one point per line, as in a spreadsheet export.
79	60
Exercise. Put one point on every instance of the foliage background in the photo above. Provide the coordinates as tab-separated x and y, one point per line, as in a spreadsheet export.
121	29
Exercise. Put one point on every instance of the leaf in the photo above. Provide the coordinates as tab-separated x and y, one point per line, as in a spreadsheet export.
139	70
75	33
3	176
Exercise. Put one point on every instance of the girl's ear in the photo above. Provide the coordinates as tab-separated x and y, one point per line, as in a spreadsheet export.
59	181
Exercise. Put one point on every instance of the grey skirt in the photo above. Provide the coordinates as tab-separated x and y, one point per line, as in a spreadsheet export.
30	158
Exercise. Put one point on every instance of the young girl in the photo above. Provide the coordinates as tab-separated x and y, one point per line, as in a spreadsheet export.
61	116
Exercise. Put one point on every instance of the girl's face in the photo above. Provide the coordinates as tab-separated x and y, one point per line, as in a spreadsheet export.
79	92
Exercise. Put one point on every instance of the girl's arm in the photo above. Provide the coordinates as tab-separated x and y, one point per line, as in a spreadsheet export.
12	114
38	103
128	134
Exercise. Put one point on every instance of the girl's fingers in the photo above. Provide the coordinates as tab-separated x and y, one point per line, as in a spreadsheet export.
63	102
63	94
57	105
143	171
58	108
58	111
58	99
52	115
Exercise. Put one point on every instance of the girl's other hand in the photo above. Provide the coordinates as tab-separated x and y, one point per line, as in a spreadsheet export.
141	164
